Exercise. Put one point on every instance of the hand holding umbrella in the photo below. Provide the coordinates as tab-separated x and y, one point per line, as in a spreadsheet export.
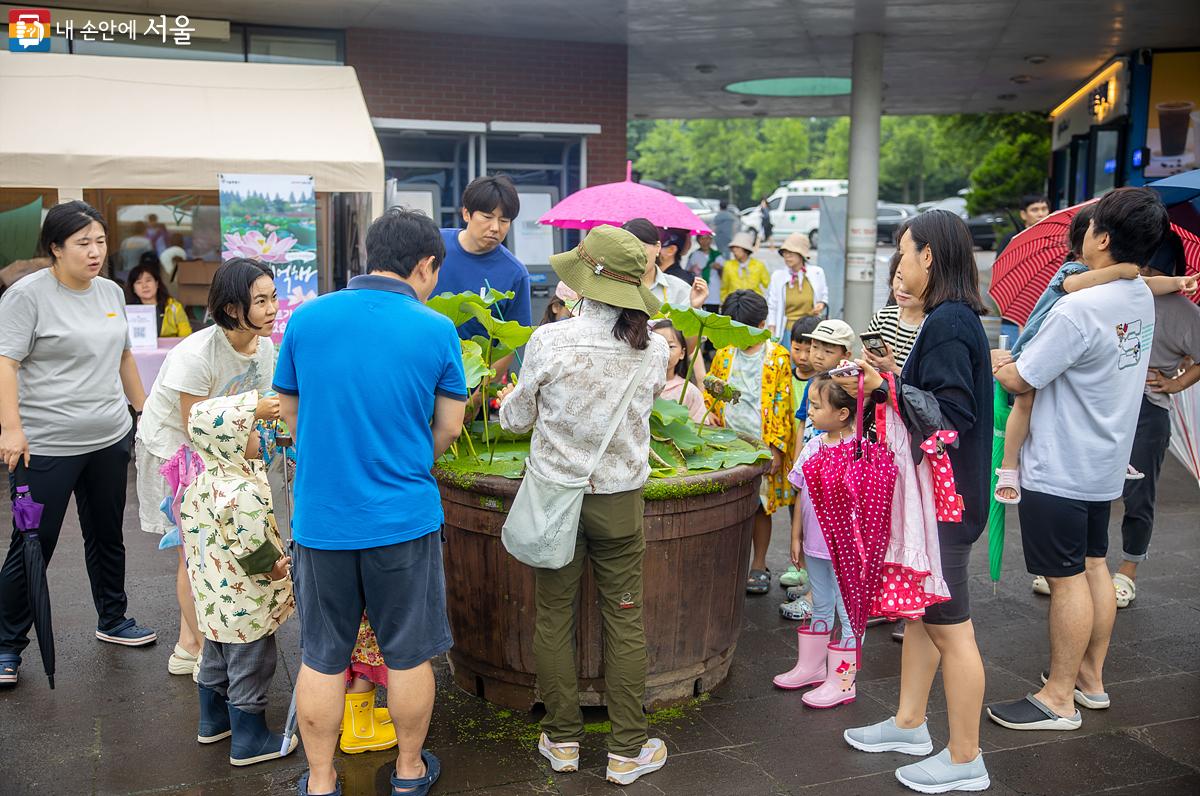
27	516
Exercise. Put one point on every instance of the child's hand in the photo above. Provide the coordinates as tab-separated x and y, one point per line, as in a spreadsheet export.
506	391
1128	271
282	568
776	459
1187	285
797	550
268	408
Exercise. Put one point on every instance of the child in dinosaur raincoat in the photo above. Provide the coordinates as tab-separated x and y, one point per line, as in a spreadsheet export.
240	578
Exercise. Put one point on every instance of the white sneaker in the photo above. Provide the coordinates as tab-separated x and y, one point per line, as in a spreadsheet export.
563	757
1040	586
626	770
181	661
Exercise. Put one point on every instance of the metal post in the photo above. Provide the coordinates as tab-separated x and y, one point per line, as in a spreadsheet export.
866	107
582	163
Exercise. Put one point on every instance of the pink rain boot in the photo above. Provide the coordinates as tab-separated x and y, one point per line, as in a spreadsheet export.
810	663
838	688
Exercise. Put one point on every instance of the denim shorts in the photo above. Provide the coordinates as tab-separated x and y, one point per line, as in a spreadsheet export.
401	586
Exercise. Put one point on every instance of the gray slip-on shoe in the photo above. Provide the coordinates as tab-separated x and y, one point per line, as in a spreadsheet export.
887	737
938	774
1031	714
1090	701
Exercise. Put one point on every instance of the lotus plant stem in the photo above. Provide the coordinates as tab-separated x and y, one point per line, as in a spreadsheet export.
470	446
692	366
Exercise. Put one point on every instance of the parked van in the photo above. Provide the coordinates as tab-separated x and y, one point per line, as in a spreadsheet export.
795	207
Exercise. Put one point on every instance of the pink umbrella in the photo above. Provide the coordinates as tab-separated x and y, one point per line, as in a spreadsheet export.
617	202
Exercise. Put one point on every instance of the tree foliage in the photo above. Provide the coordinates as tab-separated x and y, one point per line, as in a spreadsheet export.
998	156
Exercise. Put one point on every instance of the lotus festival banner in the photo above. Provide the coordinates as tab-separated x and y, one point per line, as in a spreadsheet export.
273	218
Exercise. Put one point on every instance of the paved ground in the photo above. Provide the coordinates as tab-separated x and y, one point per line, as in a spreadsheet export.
118	723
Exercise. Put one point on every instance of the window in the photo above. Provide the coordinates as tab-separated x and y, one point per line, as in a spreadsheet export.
795	203
774	203
889	214
268	45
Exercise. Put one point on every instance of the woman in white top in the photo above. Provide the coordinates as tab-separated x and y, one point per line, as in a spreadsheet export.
588	361
231	357
795	291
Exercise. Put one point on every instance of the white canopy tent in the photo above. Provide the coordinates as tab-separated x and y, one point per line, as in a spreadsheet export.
73	122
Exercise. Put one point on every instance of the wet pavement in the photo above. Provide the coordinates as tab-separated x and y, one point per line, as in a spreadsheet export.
118	723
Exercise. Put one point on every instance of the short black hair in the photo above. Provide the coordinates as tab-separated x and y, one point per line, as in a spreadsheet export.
681	367
745	306
824	385
1078	231
723	204
644	230
147	266
63	221
485	194
1169	258
953	275
805	324
1032	199
401	238
231	285
1135	221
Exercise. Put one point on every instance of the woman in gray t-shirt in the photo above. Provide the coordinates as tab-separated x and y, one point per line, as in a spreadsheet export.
66	379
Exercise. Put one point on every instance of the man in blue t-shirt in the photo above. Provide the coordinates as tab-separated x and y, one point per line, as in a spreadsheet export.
371	382
477	259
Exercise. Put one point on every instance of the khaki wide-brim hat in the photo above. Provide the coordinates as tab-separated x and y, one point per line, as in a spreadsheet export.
743	240
607	266
799	243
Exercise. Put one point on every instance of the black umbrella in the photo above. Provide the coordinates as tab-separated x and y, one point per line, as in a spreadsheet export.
27	516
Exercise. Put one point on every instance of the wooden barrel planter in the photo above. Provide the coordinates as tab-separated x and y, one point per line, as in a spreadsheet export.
698	531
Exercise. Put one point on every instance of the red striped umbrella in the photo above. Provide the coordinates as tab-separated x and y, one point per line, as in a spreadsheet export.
1020	275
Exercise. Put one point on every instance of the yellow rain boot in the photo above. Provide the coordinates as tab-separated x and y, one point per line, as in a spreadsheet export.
363	728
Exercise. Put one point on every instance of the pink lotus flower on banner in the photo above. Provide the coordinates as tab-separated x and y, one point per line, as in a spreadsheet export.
252	244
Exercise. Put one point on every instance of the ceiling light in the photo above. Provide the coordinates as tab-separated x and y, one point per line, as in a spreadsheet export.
1021	80
706	69
749	103
1036	60
792	87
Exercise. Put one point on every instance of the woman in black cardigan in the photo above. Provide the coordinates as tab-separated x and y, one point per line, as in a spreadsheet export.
949	371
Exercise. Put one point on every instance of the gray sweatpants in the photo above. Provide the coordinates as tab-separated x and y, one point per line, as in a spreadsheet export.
240	672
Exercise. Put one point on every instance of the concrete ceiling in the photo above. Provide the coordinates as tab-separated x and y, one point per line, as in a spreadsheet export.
941	56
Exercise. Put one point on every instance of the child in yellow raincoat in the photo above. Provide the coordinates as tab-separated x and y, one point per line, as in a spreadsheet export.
240	577
763	375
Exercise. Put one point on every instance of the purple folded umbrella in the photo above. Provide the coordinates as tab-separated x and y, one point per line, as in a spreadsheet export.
27	517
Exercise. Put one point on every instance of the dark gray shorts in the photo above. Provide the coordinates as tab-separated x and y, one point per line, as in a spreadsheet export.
401	586
956	557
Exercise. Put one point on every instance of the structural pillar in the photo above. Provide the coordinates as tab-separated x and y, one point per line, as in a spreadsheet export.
866	108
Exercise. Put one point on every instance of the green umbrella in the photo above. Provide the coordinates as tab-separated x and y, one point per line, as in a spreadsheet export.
1000	410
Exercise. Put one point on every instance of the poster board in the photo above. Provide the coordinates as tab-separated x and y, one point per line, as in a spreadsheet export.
1173	116
272	218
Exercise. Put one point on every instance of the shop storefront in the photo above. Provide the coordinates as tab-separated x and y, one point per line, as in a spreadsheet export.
1134	121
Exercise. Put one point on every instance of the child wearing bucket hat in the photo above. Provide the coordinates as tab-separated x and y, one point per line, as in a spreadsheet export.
743	271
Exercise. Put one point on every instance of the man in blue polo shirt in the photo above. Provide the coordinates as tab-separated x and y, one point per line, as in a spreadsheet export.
477	259
371	381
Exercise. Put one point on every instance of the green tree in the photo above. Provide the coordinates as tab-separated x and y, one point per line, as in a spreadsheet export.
783	154
718	156
662	154
834	160
1009	170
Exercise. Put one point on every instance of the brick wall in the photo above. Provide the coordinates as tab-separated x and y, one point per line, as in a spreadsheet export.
481	79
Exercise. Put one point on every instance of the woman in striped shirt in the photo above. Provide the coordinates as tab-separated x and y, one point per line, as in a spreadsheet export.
899	323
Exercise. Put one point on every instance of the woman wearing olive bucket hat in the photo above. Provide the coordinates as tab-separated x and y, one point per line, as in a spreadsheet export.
604	359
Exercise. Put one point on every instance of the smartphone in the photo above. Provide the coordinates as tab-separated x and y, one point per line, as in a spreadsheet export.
845	369
873	342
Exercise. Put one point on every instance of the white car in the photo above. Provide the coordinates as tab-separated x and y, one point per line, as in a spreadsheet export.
795	207
703	210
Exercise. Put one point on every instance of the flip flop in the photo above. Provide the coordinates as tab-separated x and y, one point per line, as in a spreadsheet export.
421	785
1008	479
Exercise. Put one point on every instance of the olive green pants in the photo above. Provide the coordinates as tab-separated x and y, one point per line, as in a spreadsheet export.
610	534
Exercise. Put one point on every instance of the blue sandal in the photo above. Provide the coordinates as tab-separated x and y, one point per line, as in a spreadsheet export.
420	786
302	788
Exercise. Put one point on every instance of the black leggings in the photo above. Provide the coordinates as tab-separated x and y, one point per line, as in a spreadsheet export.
1149	450
98	480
